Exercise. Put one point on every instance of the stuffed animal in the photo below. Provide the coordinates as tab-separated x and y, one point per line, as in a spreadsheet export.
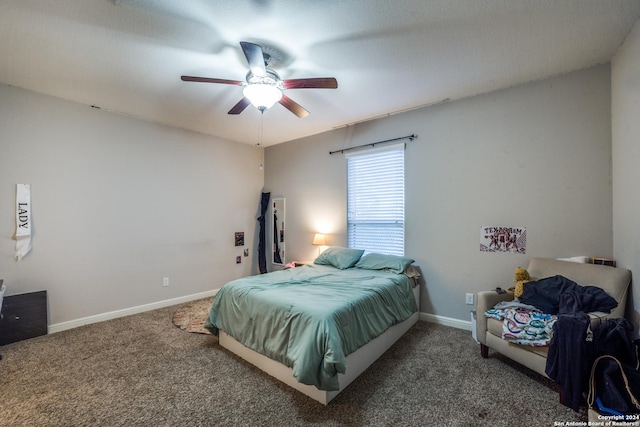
520	277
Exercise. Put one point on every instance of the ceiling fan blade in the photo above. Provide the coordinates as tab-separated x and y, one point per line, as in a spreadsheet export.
211	80
312	83
293	106
240	106
255	58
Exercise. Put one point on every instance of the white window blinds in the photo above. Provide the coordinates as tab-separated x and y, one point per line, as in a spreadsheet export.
375	200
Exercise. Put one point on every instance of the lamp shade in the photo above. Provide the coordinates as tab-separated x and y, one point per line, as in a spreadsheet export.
262	96
319	239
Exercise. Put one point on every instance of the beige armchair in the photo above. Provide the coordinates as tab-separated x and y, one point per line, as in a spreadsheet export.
614	281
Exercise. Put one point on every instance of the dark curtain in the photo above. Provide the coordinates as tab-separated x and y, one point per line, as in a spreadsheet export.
262	250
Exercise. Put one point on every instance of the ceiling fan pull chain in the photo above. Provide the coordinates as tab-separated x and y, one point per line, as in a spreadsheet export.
261	126
259	144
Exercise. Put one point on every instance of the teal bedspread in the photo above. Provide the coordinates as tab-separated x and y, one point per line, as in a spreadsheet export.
310	318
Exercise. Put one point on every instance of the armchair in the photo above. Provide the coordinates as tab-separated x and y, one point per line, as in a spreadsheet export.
614	281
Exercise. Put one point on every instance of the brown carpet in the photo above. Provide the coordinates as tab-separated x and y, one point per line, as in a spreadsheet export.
192	316
141	370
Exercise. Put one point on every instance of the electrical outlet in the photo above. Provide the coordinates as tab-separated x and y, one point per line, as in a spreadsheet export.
469	298
165	281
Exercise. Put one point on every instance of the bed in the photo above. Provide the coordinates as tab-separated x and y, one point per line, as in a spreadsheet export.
318	326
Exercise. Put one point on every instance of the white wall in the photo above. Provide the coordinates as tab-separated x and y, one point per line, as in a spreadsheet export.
118	204
626	160
537	155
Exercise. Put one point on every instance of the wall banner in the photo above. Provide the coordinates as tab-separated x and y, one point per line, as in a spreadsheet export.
23	220
503	239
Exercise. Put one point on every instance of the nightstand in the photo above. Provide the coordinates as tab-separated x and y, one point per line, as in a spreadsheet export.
23	316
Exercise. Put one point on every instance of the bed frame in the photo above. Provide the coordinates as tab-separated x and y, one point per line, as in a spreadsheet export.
357	362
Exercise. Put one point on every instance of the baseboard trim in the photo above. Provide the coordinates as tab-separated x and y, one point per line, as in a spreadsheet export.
446	321
63	326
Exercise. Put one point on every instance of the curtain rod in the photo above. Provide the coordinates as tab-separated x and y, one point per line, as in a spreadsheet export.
373	144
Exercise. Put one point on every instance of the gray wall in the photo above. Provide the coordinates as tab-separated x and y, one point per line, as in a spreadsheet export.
537	155
626	159
118	204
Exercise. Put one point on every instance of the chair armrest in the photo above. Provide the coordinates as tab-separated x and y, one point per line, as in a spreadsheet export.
486	300
597	317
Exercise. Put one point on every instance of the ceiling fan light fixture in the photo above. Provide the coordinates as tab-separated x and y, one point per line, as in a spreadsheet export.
262	96
263	86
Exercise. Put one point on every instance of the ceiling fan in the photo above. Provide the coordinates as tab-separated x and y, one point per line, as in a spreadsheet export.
263	87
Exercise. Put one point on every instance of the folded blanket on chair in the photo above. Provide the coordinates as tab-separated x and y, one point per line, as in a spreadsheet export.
524	326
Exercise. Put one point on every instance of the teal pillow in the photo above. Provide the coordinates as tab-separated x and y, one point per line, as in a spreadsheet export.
339	257
395	264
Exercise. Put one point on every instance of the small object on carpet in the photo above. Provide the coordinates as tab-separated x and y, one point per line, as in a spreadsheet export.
191	317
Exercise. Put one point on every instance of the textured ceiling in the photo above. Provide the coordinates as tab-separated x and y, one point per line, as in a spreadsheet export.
127	56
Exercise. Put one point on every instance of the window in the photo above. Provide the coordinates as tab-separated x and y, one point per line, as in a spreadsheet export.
375	200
